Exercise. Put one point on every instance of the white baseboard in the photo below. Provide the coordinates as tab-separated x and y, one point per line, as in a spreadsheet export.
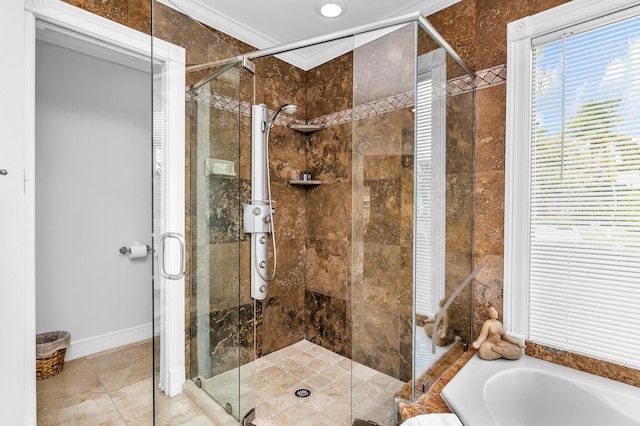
95	344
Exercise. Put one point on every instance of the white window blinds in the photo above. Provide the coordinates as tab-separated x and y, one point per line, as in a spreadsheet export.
424	304
430	182
585	193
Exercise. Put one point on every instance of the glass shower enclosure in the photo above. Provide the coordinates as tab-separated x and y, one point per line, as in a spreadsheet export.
367	255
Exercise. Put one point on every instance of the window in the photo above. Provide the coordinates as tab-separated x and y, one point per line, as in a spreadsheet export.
572	229
430	181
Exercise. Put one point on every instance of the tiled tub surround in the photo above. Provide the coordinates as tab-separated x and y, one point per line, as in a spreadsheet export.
587	364
432	402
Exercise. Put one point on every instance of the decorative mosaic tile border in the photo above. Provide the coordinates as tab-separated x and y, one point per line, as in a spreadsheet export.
456	86
226	103
483	79
491	77
391	103
460	85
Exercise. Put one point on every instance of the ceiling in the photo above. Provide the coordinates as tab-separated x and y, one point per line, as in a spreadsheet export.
269	23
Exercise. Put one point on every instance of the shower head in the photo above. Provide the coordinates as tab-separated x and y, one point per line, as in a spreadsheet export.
288	108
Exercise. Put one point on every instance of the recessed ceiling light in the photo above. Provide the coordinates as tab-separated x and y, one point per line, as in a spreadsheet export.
330	8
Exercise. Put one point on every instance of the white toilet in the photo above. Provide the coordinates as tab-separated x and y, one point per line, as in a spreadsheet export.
433	420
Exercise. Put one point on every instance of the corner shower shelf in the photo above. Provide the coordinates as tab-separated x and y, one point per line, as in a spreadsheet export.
305	182
306	128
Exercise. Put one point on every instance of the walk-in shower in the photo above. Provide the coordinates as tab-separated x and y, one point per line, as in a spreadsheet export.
258	215
335	308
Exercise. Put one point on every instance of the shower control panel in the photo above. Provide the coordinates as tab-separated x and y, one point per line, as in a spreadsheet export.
257	218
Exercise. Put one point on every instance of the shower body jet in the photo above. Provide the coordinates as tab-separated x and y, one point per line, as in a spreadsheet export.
258	215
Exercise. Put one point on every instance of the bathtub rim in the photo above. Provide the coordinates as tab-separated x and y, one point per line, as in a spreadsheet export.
464	394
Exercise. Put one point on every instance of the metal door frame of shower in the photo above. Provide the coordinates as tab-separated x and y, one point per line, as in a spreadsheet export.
386	24
362	29
124	39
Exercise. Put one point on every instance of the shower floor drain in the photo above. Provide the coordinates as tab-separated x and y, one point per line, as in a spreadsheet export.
303	393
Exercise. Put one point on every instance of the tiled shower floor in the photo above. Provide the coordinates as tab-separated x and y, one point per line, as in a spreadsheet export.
333	389
326	374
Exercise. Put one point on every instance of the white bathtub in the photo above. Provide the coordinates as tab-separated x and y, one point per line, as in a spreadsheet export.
532	392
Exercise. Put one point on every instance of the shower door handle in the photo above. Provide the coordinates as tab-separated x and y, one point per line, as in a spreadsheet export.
161	250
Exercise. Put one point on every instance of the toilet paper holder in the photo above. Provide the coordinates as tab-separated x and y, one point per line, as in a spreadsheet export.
127	250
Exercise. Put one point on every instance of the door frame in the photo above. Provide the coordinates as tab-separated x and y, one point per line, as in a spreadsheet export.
172	82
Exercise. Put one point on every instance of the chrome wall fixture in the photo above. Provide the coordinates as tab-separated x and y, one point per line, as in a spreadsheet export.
258	214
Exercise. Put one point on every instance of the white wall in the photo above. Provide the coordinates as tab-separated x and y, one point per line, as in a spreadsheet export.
16	404
93	195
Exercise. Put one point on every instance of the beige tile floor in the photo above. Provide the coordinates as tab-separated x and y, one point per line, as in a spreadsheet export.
335	384
111	388
115	388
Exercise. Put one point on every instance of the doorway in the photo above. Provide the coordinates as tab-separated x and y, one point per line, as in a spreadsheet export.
93	174
151	329
93	180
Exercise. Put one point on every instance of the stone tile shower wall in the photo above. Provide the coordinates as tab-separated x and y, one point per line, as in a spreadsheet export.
383	268
279	319
214	231
328	212
383	145
360	306
283	310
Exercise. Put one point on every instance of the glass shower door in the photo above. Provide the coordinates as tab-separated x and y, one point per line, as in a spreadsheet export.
382	156
216	336
216	343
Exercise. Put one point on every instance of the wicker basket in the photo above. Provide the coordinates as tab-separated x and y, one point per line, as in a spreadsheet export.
51	349
49	367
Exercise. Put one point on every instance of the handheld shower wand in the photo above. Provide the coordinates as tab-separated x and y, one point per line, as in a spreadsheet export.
287	108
